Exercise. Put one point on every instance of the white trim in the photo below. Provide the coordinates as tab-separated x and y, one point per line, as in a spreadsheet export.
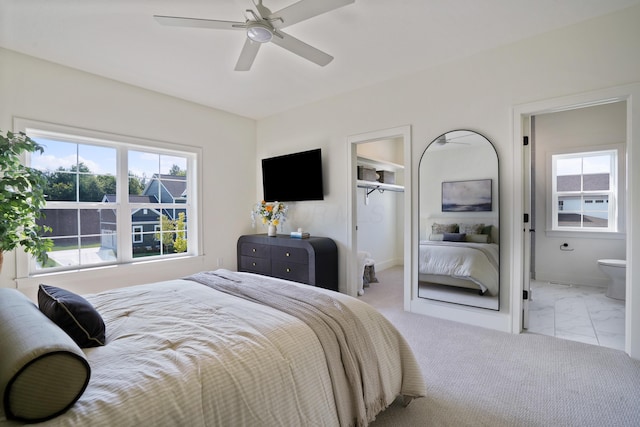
629	93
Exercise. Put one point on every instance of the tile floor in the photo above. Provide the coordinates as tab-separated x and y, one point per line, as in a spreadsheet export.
577	313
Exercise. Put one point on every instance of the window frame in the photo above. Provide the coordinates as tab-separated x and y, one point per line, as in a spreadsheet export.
25	267
616	193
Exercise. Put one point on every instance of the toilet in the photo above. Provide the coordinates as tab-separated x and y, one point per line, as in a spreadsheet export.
616	270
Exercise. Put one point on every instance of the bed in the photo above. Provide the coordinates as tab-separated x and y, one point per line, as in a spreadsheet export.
461	255
216	348
460	264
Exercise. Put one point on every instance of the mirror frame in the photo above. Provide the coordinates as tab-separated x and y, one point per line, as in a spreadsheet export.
462	298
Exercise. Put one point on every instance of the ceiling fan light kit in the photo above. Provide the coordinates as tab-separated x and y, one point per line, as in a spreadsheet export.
259	32
264	25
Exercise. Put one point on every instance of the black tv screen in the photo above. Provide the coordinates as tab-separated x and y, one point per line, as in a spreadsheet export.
293	177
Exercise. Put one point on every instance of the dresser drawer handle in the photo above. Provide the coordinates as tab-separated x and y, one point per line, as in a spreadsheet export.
288	254
253	263
288	270
253	249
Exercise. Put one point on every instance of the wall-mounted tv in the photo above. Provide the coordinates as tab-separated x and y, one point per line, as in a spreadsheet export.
293	177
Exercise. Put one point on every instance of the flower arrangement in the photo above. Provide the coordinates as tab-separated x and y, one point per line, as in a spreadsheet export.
269	213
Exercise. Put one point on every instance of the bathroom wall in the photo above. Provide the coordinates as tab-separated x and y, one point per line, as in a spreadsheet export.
584	127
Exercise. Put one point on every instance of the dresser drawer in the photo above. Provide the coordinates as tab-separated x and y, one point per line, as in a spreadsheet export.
255	250
313	261
297	272
255	265
289	254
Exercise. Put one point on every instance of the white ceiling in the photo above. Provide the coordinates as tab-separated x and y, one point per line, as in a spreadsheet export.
371	40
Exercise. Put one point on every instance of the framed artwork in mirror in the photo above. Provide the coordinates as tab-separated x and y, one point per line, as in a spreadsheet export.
466	196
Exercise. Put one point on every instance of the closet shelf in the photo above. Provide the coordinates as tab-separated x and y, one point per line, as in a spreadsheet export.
373	185
379	163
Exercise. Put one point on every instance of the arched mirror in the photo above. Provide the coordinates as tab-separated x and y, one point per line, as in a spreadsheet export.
459	211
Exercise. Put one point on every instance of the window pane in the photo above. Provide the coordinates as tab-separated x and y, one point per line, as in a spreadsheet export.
76	172
61	186
597	164
57	155
569	219
568	183
97	159
144	223
158	233
65	252
596	182
594	222
568	166
96	188
93	253
156	178
63	222
109	242
569	204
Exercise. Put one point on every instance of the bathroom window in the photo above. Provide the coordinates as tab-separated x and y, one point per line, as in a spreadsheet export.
585	191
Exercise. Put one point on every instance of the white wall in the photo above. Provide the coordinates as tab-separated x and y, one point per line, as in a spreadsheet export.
592	126
458	164
476	93
43	91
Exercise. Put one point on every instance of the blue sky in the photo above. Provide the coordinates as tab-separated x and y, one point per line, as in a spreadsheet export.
100	160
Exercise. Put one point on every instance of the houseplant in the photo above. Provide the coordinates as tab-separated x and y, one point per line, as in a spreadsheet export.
21	199
271	214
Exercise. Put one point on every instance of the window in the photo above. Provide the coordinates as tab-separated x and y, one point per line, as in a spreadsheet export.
585	191
99	188
137	234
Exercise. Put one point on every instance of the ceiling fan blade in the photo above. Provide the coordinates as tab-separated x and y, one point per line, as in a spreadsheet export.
200	23
302	49
304	9
248	54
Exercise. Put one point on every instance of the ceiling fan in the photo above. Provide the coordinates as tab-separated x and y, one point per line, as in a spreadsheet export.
266	26
443	140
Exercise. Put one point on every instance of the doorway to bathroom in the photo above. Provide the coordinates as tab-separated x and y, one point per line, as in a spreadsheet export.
570	231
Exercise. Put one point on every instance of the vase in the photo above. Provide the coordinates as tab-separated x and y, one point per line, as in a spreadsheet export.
271	231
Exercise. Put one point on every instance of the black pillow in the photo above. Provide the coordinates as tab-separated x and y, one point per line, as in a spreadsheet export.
454	237
73	314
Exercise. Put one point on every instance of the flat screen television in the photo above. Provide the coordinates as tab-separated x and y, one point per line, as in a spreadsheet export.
293	177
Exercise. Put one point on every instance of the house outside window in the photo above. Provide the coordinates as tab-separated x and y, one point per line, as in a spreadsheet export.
99	188
584	191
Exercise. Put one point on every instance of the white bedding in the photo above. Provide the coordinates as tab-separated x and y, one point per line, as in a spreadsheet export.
180	353
476	262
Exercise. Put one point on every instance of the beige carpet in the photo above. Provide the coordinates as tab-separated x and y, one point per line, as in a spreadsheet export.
480	377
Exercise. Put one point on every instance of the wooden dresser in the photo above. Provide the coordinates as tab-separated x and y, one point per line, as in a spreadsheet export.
313	261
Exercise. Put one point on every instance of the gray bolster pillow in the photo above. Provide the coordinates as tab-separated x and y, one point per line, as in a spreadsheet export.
43	372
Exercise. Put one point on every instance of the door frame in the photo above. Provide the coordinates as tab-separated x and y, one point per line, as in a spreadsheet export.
520	114
403	132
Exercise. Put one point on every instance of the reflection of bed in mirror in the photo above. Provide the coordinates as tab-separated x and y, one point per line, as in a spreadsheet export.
460	254
460	264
